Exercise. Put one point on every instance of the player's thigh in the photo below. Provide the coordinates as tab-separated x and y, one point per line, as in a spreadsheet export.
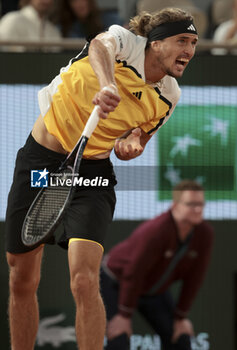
32	156
84	255
89	216
84	263
25	269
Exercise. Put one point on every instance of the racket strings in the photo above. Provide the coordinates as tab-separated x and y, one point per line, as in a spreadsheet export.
46	211
49	205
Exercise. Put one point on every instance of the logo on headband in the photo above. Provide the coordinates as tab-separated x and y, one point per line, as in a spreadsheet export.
191	27
168	29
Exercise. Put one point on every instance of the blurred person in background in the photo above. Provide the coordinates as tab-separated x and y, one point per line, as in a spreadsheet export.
137	273
226	32
82	18
30	23
78	18
200	17
127	10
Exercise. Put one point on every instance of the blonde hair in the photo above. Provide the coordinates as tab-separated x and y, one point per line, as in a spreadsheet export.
185	185
145	22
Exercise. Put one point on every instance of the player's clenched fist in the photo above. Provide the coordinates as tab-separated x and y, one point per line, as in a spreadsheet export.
108	99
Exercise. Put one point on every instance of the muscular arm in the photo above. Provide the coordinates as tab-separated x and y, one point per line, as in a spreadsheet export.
102	52
102	57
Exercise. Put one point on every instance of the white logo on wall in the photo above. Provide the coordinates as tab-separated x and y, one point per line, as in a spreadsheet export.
201	342
50	332
146	342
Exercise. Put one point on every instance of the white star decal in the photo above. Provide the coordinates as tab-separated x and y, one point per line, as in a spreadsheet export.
218	127
172	175
43	174
200	179
182	144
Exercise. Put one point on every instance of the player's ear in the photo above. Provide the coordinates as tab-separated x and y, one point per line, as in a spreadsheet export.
155	45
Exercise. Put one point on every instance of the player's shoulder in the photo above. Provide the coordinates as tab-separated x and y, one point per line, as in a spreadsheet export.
170	88
129	47
123	33
116	29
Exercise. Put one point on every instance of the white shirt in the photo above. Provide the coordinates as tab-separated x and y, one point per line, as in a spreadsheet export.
26	24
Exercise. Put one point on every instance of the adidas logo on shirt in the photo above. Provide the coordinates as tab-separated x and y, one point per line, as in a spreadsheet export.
138	94
191	27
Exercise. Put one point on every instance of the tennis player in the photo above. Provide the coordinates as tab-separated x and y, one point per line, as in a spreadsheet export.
138	272
139	66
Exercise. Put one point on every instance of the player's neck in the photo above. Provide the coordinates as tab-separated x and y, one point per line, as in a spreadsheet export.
153	72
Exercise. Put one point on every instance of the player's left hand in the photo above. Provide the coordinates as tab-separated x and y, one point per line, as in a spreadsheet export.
183	326
129	147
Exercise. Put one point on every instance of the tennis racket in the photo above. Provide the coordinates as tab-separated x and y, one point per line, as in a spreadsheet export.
50	204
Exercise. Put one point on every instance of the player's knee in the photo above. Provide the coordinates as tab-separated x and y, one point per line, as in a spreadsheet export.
84	284
22	279
22	285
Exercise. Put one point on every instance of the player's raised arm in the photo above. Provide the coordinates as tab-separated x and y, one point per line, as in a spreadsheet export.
102	57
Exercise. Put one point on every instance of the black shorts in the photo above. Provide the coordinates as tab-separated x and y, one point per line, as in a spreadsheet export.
91	209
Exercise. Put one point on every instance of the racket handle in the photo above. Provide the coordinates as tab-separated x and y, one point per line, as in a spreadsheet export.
91	123
93	119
